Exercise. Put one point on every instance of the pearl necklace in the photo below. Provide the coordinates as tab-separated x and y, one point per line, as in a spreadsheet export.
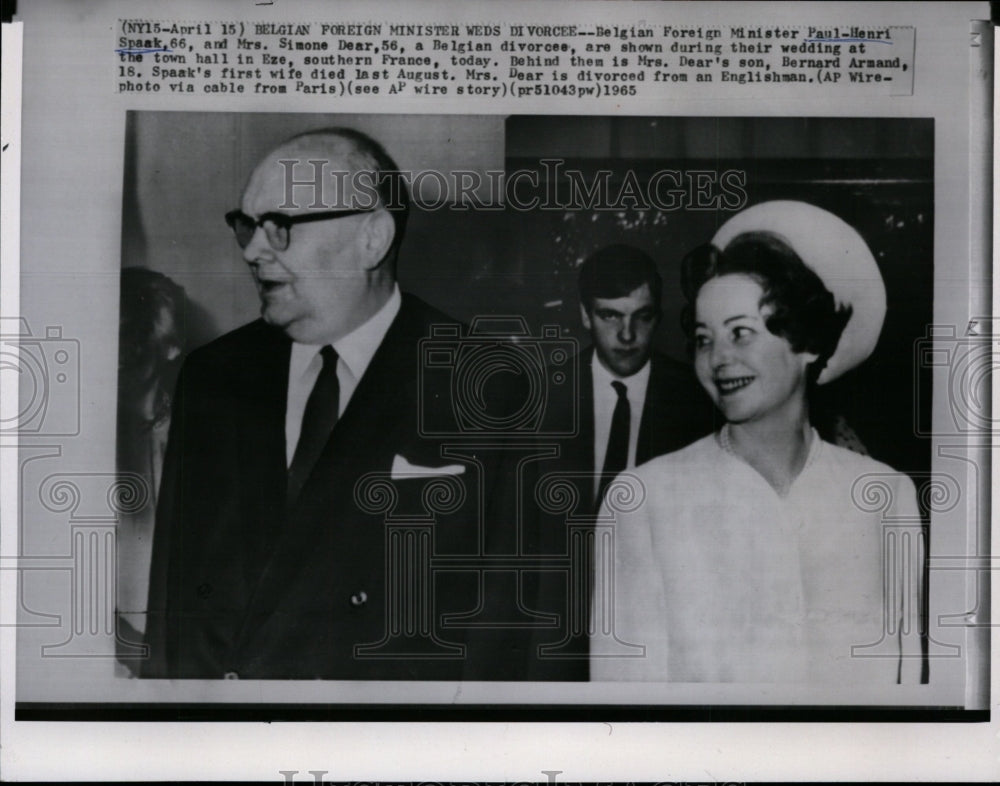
724	440
726	444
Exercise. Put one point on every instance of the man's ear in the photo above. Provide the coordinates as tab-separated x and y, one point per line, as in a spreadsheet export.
379	232
585	317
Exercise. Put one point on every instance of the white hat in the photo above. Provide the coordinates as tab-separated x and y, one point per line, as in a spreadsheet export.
835	251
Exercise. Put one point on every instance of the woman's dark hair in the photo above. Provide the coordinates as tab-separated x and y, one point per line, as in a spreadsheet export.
151	326
804	312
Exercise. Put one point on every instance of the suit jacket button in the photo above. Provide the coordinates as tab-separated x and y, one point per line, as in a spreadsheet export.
359	598
231	675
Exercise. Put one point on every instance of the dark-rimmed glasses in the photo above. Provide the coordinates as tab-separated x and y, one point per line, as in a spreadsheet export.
278	226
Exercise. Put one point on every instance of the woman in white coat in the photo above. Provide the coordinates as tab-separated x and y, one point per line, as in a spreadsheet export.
752	556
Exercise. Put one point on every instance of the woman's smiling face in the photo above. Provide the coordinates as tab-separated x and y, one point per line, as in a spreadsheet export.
748	372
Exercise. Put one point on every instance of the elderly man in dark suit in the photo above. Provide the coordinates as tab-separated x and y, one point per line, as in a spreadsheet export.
295	443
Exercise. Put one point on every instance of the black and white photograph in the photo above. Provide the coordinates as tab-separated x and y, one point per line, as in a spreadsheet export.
606	399
522	391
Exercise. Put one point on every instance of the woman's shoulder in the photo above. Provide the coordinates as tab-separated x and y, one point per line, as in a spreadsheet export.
668	479
689	458
858	466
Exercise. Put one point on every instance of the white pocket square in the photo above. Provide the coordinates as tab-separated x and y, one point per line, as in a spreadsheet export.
403	469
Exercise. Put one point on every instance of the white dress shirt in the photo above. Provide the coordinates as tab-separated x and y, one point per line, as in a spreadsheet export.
605	399
355	351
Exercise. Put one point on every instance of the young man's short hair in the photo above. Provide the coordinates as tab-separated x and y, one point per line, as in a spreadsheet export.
615	271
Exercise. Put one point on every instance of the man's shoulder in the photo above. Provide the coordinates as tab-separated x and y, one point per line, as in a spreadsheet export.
233	348
665	368
667	376
662	366
416	320
419	307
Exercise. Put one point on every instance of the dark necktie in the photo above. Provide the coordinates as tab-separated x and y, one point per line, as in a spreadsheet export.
318	421
616	457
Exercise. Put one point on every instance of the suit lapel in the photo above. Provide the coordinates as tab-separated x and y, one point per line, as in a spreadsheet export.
378	403
260	381
651	412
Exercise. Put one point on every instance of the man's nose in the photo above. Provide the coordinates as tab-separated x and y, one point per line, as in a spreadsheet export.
257	247
626	333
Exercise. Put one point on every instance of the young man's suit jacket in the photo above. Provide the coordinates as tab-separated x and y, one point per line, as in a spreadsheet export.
676	412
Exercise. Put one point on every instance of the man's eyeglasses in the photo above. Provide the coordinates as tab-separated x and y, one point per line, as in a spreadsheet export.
278	226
